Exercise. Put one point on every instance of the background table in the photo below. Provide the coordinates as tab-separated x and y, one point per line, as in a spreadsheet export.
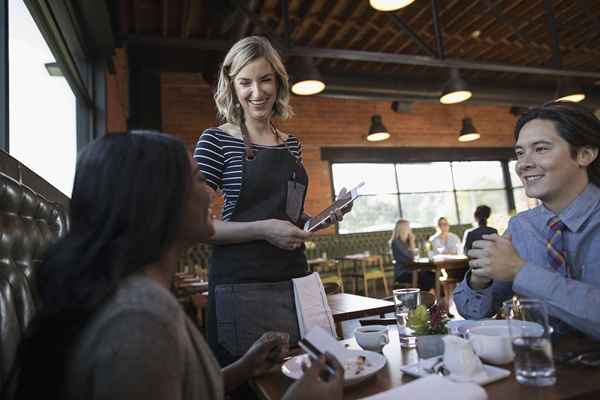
436	264
572	382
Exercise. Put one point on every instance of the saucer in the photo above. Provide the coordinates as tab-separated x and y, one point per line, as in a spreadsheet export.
460	327
353	374
488	375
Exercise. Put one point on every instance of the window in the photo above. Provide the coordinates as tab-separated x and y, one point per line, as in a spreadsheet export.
42	108
377	208
522	202
422	192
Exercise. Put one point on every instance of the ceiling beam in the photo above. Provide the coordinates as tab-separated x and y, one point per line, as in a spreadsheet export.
400	23
359	55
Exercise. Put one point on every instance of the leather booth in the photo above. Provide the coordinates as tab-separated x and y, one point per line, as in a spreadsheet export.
29	223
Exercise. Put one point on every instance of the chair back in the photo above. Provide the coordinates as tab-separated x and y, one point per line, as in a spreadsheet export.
29	223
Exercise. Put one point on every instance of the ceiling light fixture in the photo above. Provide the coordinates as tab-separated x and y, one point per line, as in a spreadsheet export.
53	69
389	5
455	90
568	90
305	77
468	133
377	132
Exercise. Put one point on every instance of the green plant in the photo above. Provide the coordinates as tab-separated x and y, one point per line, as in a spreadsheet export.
428	322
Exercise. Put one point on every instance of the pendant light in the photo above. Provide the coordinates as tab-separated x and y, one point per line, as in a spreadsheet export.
468	133
305	77
389	5
377	132
568	90
455	90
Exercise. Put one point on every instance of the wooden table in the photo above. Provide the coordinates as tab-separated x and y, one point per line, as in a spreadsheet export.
436	264
345	306
572	382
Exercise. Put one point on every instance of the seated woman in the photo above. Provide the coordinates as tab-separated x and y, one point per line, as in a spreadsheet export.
482	213
402	243
110	328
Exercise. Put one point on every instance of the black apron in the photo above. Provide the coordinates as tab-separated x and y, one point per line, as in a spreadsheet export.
250	288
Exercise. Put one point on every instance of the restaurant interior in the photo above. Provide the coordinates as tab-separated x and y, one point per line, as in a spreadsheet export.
418	102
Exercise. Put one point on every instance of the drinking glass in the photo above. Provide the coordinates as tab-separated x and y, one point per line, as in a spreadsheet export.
530	336
406	300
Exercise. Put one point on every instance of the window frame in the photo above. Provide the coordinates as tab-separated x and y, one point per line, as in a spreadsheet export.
411	155
82	46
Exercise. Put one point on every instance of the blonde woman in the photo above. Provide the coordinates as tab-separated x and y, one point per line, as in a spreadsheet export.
402	243
259	243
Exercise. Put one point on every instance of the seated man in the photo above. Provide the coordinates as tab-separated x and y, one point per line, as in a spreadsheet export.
551	252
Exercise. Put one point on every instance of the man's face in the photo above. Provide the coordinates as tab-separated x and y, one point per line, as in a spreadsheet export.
546	167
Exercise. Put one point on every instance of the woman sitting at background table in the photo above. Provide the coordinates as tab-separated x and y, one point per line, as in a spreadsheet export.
110	328
444	241
403	246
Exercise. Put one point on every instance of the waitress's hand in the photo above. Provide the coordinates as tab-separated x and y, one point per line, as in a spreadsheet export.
338	215
283	234
312	384
268	351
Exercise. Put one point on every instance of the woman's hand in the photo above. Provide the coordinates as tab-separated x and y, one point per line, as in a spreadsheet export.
283	234
268	351
313	385
338	215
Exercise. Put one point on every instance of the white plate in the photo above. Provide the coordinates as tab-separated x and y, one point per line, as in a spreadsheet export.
292	368
459	327
488	375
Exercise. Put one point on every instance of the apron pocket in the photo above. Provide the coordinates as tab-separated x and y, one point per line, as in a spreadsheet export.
246	311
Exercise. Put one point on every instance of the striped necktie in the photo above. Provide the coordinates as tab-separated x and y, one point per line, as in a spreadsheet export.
557	254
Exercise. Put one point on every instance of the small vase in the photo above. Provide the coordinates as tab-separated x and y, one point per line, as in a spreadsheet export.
430	346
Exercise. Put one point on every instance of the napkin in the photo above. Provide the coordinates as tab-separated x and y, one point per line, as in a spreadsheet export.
311	305
432	387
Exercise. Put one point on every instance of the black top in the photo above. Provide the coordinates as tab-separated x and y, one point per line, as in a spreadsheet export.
403	256
476	234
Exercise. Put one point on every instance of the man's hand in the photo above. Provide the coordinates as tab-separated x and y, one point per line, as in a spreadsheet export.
494	258
283	234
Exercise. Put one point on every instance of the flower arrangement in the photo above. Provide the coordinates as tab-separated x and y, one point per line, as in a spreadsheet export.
428	322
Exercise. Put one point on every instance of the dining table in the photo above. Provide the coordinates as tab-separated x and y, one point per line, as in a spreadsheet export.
436	264
346	306
573	382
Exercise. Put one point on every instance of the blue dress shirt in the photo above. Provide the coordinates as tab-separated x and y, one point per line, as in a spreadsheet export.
574	300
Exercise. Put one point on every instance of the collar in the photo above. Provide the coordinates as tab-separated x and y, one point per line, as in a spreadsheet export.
580	209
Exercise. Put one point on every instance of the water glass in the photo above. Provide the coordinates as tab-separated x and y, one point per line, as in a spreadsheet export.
530	336
405	300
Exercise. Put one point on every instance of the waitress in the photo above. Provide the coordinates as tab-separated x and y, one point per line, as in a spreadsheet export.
259	244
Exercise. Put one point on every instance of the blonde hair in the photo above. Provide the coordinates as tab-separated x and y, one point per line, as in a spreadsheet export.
403	233
241	54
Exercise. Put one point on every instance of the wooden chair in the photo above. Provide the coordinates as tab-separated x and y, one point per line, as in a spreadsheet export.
372	269
330	272
332	288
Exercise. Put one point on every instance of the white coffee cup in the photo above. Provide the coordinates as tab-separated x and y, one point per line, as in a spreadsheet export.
372	337
492	343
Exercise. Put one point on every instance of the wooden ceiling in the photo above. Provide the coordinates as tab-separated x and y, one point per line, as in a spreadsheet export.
367	53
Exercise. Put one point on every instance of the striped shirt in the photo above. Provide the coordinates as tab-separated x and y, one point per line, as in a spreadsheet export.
219	156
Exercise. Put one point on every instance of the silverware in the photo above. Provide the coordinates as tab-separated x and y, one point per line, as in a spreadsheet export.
435	366
587	358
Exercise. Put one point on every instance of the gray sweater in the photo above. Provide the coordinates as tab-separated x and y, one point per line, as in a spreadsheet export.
141	345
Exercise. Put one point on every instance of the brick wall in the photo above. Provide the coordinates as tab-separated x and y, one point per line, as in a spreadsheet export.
319	121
